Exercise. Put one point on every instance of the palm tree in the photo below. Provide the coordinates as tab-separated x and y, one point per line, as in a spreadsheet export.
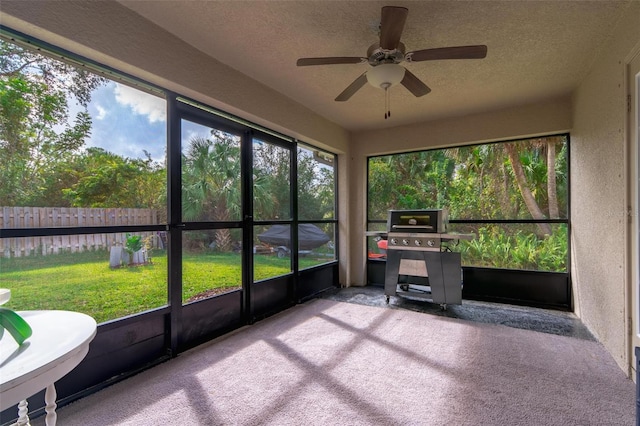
552	189
211	182
536	212
271	182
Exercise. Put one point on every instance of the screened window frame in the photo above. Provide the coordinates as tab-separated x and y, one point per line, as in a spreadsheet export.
566	220
173	101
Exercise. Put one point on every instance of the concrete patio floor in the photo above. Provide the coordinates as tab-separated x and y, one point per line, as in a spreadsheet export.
528	318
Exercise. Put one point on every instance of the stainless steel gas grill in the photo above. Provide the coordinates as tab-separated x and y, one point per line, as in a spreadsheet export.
418	266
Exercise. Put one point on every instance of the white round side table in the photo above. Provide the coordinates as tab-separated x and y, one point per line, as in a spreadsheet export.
60	340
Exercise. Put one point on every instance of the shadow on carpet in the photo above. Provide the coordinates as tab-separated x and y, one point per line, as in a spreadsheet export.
334	363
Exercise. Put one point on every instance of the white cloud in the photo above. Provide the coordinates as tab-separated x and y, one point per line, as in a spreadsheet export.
191	134
141	103
102	113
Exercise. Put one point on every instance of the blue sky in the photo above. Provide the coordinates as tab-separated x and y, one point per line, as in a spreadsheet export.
127	121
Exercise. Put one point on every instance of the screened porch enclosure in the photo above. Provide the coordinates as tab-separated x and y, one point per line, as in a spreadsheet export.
512	196
153	225
202	271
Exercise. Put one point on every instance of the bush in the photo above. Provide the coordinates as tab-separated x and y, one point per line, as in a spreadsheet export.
133	243
495	247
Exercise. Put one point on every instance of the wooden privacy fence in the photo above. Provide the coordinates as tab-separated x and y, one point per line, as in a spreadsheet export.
55	217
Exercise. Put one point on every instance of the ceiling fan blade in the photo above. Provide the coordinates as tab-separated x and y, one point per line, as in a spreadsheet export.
303	62
459	52
391	26
414	84
352	88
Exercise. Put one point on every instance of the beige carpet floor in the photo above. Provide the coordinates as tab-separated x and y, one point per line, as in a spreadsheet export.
337	363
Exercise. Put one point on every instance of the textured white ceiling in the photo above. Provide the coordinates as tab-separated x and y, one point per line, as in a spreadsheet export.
536	50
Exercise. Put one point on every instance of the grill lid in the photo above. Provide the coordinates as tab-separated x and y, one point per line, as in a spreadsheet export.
417	221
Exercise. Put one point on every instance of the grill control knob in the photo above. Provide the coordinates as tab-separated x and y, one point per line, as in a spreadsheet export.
394	241
418	243
431	243
405	241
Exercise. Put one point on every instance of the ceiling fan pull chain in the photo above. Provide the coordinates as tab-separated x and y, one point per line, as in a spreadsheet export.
385	103
387	110
388	104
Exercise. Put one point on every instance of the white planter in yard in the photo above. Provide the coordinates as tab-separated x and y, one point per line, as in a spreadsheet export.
118	257
139	257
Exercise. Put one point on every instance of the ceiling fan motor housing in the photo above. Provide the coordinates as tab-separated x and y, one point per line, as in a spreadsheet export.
377	55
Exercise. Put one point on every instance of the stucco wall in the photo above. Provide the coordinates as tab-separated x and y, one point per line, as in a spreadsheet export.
552	116
598	192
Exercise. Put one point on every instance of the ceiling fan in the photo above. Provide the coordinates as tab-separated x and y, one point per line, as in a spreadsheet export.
384	58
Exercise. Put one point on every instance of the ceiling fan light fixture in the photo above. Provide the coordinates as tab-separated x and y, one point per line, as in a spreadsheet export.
385	55
385	75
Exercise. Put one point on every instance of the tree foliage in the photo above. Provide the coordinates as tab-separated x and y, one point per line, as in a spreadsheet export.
491	181
271	181
211	178
212	186
316	187
515	180
45	163
103	179
35	130
45	160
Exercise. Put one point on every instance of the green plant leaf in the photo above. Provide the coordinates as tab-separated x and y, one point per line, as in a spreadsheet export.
15	325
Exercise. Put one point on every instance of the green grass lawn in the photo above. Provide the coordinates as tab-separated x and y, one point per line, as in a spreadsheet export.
84	282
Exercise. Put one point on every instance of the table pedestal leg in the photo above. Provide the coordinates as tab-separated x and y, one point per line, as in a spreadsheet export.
23	414
50	399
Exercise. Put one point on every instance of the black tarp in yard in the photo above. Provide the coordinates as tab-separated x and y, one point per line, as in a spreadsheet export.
309	236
